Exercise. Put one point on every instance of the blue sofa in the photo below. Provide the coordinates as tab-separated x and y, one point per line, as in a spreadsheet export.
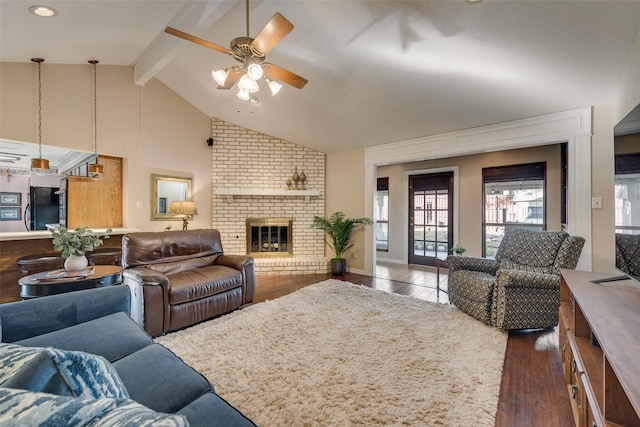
96	321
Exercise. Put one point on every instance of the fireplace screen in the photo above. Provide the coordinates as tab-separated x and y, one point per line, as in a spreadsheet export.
269	237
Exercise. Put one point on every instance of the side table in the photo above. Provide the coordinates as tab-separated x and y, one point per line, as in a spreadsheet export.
39	285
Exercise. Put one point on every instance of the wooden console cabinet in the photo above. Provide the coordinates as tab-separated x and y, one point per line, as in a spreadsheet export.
599	329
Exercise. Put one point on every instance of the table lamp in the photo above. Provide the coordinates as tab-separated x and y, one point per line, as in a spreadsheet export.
188	209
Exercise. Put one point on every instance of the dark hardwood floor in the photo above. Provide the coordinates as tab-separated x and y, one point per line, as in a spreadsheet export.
532	392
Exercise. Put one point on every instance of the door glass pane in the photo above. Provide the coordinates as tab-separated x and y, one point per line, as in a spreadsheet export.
443	200
418	200
418	218
418	240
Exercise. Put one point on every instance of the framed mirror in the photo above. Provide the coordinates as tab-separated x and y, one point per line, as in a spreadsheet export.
166	189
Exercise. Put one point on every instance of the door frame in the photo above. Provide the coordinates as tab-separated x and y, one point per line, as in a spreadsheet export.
405	216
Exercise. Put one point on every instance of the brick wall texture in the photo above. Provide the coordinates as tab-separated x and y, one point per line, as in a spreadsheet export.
246	159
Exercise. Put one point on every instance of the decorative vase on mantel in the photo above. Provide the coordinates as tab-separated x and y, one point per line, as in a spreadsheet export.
76	263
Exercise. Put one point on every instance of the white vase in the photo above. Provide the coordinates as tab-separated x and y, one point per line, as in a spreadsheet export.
76	263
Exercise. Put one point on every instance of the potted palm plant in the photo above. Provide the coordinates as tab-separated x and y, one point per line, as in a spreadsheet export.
75	243
338	229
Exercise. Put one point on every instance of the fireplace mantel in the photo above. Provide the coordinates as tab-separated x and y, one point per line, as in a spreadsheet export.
230	193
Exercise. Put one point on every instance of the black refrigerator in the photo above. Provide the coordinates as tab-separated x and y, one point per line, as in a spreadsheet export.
43	208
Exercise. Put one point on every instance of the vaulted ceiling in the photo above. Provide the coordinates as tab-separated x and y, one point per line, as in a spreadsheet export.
378	71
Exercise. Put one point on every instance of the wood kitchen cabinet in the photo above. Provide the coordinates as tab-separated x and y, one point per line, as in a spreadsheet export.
92	203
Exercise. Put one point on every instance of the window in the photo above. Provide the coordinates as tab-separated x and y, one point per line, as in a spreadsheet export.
514	196
627	193
382	215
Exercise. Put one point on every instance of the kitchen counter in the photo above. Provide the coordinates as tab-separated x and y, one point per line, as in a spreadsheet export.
14	245
46	234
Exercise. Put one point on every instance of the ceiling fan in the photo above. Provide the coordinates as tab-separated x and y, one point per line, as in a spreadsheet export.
251	53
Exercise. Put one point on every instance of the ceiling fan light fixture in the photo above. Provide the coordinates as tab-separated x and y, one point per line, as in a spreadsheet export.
254	99
247	84
220	76
255	71
274	87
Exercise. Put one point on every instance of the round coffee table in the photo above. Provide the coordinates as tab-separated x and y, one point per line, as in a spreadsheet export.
57	281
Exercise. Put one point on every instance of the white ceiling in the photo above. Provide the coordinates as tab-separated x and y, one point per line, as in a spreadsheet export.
378	71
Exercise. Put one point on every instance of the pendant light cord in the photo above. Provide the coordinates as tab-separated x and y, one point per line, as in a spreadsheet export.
95	109
247	3
95	169
39	61
39	109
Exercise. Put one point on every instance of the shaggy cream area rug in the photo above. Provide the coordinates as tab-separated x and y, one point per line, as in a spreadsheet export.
339	354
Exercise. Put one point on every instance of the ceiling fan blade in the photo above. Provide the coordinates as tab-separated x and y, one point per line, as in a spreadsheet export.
233	76
285	76
196	40
275	30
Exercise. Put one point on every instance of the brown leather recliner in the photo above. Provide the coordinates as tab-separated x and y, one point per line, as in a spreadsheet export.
180	278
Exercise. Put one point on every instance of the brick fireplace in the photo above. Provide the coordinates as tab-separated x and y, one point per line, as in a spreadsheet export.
269	237
249	177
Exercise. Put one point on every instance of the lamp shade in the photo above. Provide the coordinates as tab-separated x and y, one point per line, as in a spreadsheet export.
220	76
95	170
247	84
39	163
183	208
254	71
274	87
244	95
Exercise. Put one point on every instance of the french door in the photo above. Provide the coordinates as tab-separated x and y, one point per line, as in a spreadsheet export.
430	217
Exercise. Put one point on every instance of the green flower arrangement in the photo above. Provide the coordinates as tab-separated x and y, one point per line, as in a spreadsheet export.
78	241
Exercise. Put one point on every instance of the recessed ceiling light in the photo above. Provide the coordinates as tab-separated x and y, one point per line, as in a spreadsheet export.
44	11
472	1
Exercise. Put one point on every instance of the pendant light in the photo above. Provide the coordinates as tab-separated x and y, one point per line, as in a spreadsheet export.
95	170
39	165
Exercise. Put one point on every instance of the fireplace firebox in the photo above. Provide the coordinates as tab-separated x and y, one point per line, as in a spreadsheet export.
269	237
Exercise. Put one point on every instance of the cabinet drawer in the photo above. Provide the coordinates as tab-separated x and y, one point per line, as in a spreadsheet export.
565	352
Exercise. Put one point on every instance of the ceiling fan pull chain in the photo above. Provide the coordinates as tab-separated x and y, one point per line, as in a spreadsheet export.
247	3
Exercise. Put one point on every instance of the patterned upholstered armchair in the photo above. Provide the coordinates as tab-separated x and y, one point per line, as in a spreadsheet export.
520	288
628	253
